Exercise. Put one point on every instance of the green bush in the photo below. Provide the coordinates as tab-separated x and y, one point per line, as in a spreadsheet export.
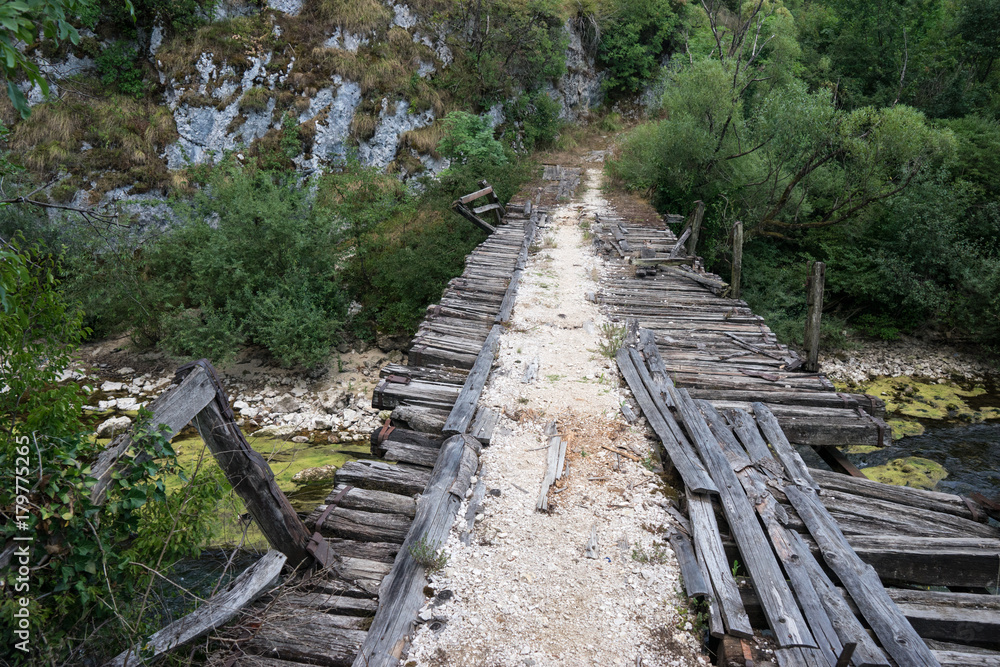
538	116
118	66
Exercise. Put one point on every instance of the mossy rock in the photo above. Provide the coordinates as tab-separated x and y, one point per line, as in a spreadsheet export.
904	427
913	471
906	396
862	449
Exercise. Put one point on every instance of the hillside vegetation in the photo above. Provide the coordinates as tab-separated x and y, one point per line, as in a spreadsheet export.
862	134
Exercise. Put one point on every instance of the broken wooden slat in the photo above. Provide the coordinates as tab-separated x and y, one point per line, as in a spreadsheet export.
786	620
708	546
898	637
681	455
213	613
788	457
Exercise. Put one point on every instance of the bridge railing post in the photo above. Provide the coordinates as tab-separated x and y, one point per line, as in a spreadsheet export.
814	302
734	291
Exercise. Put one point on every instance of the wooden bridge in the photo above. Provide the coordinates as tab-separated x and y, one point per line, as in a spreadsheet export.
840	570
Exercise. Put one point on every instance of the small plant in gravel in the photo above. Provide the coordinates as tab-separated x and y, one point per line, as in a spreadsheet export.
693	617
657	555
430	555
612	337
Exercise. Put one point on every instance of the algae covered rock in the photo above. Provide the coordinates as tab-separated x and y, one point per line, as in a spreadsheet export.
912	471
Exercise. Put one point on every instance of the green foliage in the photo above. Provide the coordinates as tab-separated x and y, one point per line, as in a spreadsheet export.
469	138
505	46
37	324
22	21
611	340
82	554
118	66
537	116
634	38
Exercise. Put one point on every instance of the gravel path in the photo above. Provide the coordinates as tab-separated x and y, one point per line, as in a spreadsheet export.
523	592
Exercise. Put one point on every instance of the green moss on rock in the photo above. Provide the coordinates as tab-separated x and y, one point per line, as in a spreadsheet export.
913	471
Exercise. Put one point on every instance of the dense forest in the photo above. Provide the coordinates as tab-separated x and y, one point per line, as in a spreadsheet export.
865	135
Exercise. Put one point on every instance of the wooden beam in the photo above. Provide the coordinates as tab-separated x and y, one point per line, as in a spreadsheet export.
814	302
173	409
213	613
696	217
401	593
253	481
461	414
898	637
737	260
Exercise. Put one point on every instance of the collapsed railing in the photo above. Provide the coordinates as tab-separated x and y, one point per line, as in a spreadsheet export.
198	397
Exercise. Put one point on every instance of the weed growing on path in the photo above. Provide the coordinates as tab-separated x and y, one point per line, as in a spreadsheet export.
612	337
430	555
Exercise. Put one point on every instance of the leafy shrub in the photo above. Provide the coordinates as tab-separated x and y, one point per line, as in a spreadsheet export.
83	554
538	115
468	138
118	66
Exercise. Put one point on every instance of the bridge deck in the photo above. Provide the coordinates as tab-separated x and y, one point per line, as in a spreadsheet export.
714	349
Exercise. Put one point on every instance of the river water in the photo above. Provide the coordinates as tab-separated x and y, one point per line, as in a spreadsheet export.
969	452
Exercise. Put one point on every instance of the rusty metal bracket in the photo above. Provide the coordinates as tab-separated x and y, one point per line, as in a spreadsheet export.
384	432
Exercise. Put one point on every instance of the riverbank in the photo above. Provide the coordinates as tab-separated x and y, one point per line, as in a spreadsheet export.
906	357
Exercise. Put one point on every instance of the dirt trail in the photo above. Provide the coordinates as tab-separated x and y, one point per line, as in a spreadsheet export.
524	593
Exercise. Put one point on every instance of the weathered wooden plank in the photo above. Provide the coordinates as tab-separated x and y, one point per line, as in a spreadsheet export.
215	612
893	630
252	479
402	479
174	409
966	617
786	620
484	424
366	526
694	582
401	593
931	561
682	456
789	458
845	623
465	405
708	546
933	501
365	500
315	639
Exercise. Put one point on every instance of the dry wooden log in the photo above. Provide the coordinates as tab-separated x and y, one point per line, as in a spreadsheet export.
365	500
380	552
931	561
421	418
366	526
215	612
470	513
401	593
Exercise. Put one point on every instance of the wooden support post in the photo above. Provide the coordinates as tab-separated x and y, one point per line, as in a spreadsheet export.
814	300
696	216
253	480
737	260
